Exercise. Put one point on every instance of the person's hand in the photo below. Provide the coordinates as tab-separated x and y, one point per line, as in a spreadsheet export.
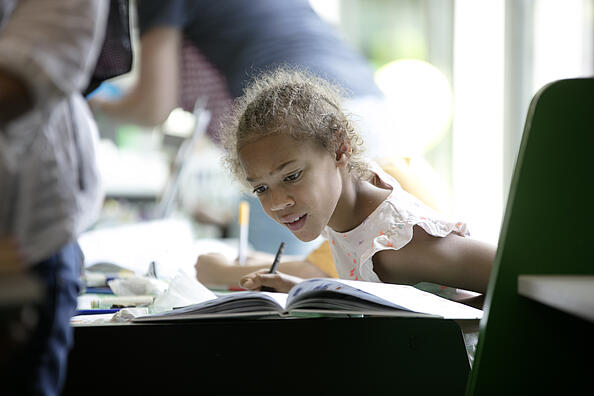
11	259
19	324
211	269
15	97
278	281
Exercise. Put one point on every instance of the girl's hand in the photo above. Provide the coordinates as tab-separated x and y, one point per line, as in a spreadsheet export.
278	281
212	268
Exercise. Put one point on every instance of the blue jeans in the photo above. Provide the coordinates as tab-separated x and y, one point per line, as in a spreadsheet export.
39	366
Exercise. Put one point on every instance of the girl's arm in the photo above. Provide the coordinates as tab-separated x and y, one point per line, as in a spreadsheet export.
155	93
214	269
453	261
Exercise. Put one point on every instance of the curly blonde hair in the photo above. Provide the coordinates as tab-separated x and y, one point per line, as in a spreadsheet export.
292	102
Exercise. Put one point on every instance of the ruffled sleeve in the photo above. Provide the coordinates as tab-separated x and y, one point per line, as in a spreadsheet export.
389	226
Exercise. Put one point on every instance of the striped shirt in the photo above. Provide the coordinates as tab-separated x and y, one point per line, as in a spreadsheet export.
49	184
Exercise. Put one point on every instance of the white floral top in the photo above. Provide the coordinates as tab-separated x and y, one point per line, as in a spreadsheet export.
389	226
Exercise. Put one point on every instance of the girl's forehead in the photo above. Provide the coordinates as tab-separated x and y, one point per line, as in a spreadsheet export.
270	152
270	145
276	139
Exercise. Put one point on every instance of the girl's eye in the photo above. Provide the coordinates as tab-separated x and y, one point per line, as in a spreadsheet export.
259	190
293	176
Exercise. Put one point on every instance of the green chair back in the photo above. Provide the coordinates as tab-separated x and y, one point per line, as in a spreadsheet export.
526	347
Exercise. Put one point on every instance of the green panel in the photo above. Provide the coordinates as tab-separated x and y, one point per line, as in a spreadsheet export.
525	347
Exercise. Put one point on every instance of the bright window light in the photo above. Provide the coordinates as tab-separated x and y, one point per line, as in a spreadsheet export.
478	115
566	50
421	97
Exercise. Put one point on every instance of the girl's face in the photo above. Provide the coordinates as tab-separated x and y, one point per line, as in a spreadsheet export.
298	182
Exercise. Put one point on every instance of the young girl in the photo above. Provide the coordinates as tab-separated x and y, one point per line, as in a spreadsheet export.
288	139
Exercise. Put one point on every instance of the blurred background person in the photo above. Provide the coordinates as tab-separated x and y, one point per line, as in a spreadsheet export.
49	185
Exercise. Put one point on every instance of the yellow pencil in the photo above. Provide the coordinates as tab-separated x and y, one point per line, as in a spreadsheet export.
244	221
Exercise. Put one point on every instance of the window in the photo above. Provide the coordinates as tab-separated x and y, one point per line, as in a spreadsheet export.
494	55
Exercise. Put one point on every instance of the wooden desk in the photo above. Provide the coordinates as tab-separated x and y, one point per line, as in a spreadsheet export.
401	355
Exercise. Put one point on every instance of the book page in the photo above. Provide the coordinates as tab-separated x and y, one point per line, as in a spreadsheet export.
232	304
390	296
280	298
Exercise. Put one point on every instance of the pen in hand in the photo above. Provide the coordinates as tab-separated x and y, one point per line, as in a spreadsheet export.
274	265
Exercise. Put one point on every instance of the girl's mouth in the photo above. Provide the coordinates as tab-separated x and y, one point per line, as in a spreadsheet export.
297	223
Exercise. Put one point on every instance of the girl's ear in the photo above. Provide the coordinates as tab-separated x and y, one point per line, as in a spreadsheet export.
343	154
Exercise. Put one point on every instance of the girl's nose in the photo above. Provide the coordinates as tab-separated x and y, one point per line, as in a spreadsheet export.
279	200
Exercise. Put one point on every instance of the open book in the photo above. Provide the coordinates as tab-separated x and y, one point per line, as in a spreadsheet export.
327	297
